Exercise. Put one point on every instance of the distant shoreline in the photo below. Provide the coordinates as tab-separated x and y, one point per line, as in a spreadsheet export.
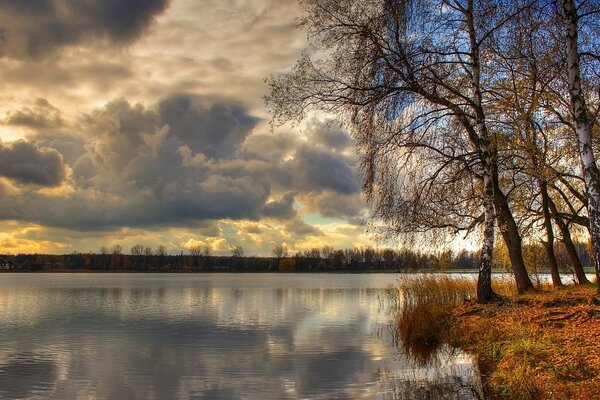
588	270
217	271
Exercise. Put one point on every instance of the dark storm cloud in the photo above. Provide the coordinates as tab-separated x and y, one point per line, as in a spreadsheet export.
188	159
39	115
336	205
27	163
152	149
316	170
301	228
214	129
270	147
70	146
319	164
117	133
106	208
282	208
34	28
131	171
329	135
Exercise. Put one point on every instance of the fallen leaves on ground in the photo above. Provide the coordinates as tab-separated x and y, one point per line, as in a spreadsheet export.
541	345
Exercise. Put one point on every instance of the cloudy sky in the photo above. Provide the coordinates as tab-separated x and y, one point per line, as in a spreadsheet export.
142	121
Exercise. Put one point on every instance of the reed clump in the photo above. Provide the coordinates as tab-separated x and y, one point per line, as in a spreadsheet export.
424	311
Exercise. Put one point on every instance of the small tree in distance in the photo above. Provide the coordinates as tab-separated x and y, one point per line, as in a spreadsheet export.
137	250
327	251
105	252
196	250
280	251
117	249
237	251
161	250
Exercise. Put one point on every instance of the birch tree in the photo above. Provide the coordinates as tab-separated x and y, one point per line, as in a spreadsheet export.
395	72
571	14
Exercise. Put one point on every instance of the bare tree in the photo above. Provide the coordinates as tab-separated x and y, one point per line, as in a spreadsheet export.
525	69
137	250
280	251
568	242
116	249
408	77
116	259
312	253
161	250
327	251
104	251
196	250
237	251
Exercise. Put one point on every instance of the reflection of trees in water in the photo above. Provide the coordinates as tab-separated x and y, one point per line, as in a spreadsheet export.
450	388
448	375
427	371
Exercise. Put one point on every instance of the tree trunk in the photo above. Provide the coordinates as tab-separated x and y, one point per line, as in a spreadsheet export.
487	153
549	243
512	239
485	294
591	174
571	251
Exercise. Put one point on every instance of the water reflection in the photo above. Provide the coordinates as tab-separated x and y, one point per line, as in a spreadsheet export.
23	375
448	375
252	336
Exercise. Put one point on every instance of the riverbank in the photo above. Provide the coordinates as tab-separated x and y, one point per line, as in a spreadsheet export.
541	345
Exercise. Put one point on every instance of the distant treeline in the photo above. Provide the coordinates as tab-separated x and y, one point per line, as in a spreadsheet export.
325	259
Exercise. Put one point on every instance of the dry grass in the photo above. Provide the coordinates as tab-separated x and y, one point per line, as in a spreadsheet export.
424	310
425	304
541	345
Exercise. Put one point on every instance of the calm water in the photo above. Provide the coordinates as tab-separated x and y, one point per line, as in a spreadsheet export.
210	336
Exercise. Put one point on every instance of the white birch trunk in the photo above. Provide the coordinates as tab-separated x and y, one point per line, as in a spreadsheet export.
484	281
582	127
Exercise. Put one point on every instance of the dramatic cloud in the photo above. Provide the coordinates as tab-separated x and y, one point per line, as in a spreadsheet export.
282	208
37	27
143	122
39	115
135	170
335	205
132	172
24	162
70	146
215	130
329	135
316	170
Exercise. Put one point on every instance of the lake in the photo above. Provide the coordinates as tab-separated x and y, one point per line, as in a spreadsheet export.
212	336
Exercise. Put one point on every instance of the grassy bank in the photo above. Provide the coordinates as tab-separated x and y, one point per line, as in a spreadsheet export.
541	345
